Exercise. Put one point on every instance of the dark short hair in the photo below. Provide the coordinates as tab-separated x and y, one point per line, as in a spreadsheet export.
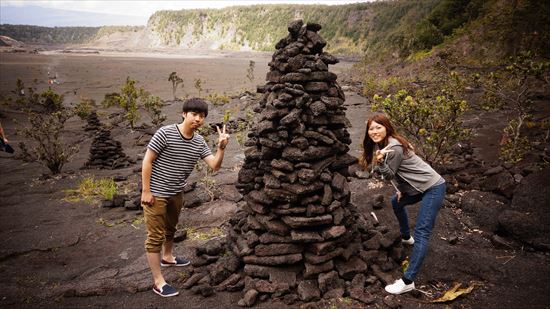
196	105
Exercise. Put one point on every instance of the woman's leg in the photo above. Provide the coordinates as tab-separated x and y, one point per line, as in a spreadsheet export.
401	213
429	207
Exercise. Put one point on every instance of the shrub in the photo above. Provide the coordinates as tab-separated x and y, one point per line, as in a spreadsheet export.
131	100
218	99
84	108
127	100
430	118
512	87
45	133
153	105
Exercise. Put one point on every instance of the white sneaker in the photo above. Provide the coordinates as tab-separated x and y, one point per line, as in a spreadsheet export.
409	241
399	287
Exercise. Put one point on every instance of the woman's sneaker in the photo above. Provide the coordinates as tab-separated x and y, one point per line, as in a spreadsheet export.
409	241
399	287
166	290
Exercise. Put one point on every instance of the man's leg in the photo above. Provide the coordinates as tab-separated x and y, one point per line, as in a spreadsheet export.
153	258
155	221
173	209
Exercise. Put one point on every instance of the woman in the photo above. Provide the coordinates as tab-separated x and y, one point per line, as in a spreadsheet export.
4	146
393	156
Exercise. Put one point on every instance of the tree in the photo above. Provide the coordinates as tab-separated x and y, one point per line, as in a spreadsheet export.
45	129
176	80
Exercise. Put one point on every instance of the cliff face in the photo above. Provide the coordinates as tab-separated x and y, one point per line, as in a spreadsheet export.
376	30
256	27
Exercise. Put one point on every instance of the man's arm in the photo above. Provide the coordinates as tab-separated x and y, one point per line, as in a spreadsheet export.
146	170
215	162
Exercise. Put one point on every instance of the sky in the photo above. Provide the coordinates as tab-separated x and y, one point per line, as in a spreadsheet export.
148	7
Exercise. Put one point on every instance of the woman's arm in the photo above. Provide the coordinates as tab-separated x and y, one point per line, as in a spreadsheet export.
389	165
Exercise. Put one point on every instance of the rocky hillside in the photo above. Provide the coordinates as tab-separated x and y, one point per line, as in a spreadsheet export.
378	30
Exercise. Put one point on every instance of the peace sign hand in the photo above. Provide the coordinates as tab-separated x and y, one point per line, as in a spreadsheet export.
223	137
381	153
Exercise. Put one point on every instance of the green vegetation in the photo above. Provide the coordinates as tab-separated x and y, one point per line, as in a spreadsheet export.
218	99
60	35
132	99
108	30
207	182
84	108
431	117
226	116
153	105
377	30
512	87
30	101
127	99
48	148
46	119
91	189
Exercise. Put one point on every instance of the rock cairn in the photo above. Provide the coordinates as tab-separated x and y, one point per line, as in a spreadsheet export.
294	178
92	122
297	237
105	152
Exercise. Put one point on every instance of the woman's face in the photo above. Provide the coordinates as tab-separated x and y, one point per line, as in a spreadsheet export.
377	132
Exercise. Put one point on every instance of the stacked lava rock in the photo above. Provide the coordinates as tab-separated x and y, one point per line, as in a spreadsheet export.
298	231
106	152
92	122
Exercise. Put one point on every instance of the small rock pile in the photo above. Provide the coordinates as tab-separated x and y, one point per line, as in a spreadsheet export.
92	122
298	235
106	153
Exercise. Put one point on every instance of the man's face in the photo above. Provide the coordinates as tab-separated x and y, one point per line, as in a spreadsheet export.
193	120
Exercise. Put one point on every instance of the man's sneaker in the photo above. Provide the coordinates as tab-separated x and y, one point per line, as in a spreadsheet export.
399	287
179	262
409	241
166	290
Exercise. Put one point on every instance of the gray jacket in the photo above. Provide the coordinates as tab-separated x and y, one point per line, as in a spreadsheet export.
408	171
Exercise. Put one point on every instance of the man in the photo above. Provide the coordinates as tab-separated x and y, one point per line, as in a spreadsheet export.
170	158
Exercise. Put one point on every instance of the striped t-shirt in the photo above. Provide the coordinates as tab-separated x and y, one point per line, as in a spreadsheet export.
176	158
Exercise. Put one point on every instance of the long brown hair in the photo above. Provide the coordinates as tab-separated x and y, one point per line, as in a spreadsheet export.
368	143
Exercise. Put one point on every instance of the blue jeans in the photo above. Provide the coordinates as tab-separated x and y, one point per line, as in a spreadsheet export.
430	202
